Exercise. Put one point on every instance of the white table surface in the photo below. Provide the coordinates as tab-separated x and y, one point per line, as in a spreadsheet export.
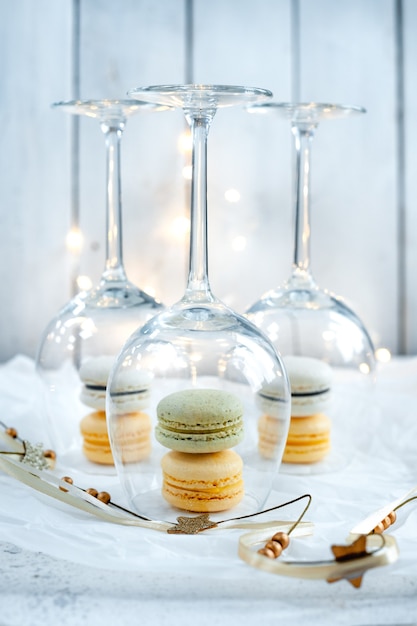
37	589
47	577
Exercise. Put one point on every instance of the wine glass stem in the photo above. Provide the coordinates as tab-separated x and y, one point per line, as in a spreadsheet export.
301	264
198	284
114	269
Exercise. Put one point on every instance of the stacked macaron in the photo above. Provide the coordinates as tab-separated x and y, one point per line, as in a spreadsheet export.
272	424
309	434
133	426
200	426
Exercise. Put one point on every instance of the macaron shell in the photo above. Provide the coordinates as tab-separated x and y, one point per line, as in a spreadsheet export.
271	432
101	455
305	405
310	381
202	482
94	373
200	421
94	397
94	425
132	434
96	370
130	392
96	445
272	402
308	439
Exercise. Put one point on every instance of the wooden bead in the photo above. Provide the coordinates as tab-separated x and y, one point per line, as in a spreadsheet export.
393	517
12	432
386	522
66	479
276	548
267	552
50	457
282	538
93	492
379	528
103	496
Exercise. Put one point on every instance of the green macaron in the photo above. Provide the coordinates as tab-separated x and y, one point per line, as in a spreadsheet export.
199	420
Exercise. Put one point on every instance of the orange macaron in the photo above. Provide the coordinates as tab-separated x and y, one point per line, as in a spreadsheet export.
206	482
272	434
309	434
308	439
132	433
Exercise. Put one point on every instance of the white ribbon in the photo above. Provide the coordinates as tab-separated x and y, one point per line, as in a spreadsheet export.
328	570
47	483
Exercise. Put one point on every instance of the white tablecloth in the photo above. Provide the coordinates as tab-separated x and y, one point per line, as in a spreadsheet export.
61	565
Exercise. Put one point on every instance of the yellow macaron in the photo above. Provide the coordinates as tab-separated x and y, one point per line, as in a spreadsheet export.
202	483
272	433
308	439
132	433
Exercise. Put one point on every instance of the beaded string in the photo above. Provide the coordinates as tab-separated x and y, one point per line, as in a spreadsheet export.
280	540
102	496
274	508
391	518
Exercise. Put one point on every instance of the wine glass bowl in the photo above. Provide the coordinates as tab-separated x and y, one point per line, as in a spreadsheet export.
301	318
309	321
94	323
201	346
195	345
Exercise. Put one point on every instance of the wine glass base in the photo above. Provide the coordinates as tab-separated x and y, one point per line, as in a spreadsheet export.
105	110
307	112
200	97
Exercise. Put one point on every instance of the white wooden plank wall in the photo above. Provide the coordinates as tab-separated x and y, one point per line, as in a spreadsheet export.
345	51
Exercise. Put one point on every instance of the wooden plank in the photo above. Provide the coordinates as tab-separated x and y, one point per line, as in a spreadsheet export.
250	240
120	49
348	55
35	54
410	179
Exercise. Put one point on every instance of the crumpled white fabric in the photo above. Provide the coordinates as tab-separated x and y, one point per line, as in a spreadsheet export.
381	466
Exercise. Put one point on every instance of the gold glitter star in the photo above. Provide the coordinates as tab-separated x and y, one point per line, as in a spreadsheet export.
352	551
192	525
33	455
355	550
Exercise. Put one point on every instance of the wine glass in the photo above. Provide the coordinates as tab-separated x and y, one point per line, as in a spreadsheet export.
200	344
300	318
94	324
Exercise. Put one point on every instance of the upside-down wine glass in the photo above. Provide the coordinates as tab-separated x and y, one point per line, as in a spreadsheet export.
299	317
199	343
94	323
